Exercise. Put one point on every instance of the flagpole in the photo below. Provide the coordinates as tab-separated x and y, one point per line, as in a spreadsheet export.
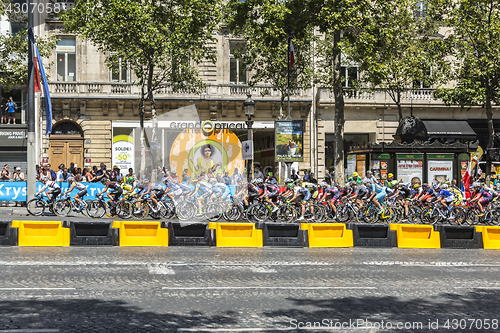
288	116
31	146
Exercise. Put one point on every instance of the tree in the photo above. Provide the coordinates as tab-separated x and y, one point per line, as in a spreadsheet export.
337	19
161	41
397	48
474	43
14	50
265	25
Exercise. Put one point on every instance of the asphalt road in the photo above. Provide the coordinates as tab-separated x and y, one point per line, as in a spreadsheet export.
117	289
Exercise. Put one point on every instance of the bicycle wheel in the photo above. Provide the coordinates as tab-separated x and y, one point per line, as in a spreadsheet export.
35	207
123	210
167	210
414	215
425	216
362	212
96	209
213	211
343	213
62	207
286	214
233	212
186	210
139	209
460	215
259	212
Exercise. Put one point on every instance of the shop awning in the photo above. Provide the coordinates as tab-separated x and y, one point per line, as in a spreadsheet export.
459	129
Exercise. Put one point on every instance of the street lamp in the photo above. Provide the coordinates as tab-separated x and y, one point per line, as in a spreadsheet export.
249	105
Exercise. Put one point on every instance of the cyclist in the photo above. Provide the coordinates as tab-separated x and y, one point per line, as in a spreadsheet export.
355	178
304	190
204	189
445	196
270	192
330	194
186	189
157	192
288	193
406	193
224	190
429	194
127	186
377	195
360	193
482	195
82	191
54	189
253	191
114	190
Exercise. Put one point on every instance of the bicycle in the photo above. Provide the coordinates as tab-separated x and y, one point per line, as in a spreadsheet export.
37	205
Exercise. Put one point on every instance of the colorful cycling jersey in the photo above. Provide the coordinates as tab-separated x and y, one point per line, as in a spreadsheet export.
430	191
405	191
253	189
173	187
388	190
361	191
446	194
156	187
310	187
78	186
185	187
112	185
51	184
271	188
126	187
375	188
203	186
485	193
418	191
331	190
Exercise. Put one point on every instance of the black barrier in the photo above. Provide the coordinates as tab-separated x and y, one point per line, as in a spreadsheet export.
6	233
373	235
282	234
90	233
189	234
459	237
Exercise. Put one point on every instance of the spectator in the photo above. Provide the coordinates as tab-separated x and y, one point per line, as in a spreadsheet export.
18	175
271	179
72	168
6	175
58	173
370	177
173	175
63	176
37	167
131	174
294	176
257	173
355	178
390	178
185	178
306	175
45	172
115	175
226	178
312	179
11	111
78	175
53	175
328	177
102	173
235	177
3	113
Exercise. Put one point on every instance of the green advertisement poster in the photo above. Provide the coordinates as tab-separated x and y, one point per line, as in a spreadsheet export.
289	141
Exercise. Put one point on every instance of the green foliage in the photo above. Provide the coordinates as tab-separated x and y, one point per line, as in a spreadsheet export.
397	46
14	51
265	25
160	40
474	43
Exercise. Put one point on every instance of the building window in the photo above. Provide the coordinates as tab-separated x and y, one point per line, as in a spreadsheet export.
422	84
237	72
349	76
66	59
120	72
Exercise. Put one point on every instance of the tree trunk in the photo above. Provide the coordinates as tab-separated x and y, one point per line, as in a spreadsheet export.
154	119
339	112
491	134
398	103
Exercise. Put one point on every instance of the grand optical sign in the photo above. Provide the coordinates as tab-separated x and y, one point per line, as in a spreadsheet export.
208	125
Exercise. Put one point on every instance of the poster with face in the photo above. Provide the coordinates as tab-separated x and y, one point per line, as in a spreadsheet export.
216	152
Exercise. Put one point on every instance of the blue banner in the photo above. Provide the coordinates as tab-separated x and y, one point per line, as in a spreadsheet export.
16	191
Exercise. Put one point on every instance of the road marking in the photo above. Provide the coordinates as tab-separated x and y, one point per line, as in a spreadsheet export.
262	287
258	269
30	331
37	289
160	269
477	287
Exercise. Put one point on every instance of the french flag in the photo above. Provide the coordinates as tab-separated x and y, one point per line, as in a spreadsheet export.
292	54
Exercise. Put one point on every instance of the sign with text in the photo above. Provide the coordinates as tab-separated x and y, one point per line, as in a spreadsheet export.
13	137
441	170
16	191
123	152
409	170
289	136
247	150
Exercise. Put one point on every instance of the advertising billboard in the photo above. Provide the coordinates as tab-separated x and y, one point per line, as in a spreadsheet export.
289	137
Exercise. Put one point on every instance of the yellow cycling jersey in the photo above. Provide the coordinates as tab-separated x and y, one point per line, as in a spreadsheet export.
126	187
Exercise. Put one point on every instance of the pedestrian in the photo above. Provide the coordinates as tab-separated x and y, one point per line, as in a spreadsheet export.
328	177
6	175
294	176
59	172
226	178
11	111
306	175
18	175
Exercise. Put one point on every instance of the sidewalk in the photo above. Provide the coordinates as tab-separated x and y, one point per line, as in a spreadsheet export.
11	210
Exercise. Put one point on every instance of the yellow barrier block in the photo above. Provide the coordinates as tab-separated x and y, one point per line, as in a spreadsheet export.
417	236
329	235
238	235
42	233
138	233
491	236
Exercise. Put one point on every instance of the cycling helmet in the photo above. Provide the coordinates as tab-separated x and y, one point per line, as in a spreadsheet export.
70	179
298	182
104	180
416	185
435	187
290	186
444	186
323	184
130	179
476	185
44	179
164	180
368	172
425	185
176	181
355	174
288	180
366	181
212	181
145	181
394	183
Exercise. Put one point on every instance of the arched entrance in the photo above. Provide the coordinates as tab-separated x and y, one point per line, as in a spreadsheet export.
66	144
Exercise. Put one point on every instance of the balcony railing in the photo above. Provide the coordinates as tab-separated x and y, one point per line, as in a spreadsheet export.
378	96
84	89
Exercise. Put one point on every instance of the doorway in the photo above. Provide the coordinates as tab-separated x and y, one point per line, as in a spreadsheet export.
66	145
